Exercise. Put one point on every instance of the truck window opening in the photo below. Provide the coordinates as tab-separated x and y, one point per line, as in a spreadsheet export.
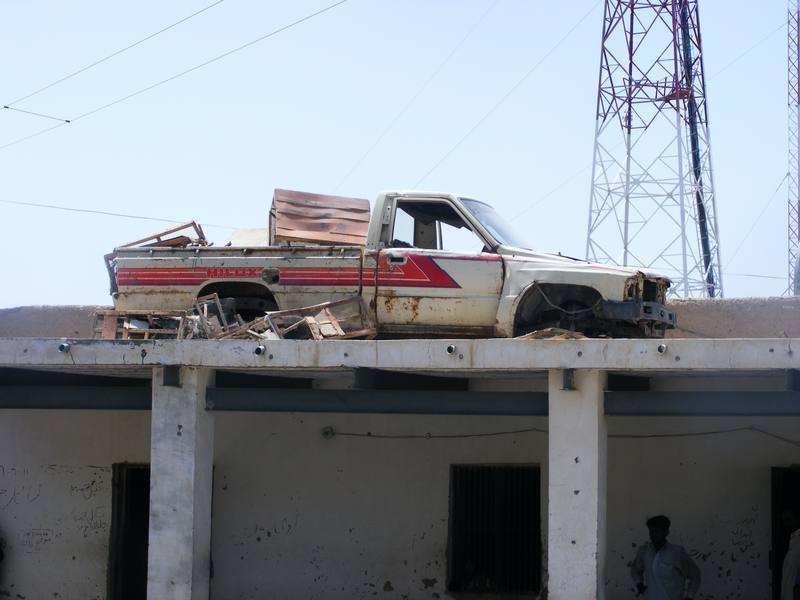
433	225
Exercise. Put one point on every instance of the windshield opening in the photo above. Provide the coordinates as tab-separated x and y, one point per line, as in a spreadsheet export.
503	232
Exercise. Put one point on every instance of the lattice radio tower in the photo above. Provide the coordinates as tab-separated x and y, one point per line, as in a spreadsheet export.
794	146
652	196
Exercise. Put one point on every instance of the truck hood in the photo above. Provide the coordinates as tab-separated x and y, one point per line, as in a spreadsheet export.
547	260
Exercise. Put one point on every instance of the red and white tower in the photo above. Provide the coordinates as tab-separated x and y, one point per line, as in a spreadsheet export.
652	195
794	146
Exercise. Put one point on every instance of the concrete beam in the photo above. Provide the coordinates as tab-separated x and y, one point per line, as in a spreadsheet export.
434	356
87	397
702	404
181	468
440	402
420	402
576	536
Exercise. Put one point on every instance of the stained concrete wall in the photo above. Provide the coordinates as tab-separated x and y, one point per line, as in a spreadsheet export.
715	489
737	318
300	515
48	321
55	497
349	517
297	515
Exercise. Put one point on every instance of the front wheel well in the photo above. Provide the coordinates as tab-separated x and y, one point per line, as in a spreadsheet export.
546	305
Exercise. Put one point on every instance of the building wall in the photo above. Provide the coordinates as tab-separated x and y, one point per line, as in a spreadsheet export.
299	515
55	497
715	489
342	517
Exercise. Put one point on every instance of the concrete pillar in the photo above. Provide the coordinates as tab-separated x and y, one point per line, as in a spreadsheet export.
576	535
181	461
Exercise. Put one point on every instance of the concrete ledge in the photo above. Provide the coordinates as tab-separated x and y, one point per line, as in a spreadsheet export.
48	321
737	317
454	356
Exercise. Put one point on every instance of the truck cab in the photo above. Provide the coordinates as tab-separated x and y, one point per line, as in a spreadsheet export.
449	259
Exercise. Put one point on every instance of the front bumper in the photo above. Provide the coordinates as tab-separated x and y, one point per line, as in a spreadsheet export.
637	312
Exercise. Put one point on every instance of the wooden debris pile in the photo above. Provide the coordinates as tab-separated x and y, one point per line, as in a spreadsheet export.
340	320
552	333
212	318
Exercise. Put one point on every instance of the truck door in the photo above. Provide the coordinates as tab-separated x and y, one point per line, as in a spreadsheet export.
435	273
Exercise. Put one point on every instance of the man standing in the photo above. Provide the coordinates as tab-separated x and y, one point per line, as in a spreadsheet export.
790	574
664	571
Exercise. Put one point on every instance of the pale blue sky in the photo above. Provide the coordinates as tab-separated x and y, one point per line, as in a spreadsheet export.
300	109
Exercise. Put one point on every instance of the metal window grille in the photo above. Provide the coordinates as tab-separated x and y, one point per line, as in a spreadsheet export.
495	532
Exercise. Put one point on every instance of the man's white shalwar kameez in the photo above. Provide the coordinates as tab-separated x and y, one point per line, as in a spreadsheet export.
668	573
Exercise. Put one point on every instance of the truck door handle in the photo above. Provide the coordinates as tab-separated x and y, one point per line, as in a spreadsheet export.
397	260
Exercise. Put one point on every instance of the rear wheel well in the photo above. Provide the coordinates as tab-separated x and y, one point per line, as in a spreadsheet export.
554	305
252	299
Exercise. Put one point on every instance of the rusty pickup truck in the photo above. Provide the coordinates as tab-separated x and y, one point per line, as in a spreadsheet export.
426	264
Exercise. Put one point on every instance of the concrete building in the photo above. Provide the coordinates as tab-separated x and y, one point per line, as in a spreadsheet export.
391	469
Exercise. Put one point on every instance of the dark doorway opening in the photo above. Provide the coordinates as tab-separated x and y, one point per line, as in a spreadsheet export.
785	494
495	529
130	518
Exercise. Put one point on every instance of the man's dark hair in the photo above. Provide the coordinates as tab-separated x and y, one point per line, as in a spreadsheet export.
659	521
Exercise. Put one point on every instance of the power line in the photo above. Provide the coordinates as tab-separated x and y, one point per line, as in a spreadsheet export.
112	55
416	95
561	185
33	135
106	213
182	73
667	271
710	79
755	275
505	97
750	49
36	114
761	214
213	60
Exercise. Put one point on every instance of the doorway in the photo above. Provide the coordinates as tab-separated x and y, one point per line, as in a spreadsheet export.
785	494
130	518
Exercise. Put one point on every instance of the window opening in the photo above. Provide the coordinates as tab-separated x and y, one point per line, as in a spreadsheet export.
433	225
495	529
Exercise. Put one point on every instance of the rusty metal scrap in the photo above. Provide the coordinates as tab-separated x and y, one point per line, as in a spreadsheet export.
318	219
159	240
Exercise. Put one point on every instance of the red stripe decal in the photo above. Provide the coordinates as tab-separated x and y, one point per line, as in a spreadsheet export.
418	270
184	276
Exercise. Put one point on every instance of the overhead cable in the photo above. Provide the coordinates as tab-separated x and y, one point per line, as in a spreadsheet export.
112	55
507	95
576	174
33	135
761	214
416	95
750	49
182	73
36	114
106	213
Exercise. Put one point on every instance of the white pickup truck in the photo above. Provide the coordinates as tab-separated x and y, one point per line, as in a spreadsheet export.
426	264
